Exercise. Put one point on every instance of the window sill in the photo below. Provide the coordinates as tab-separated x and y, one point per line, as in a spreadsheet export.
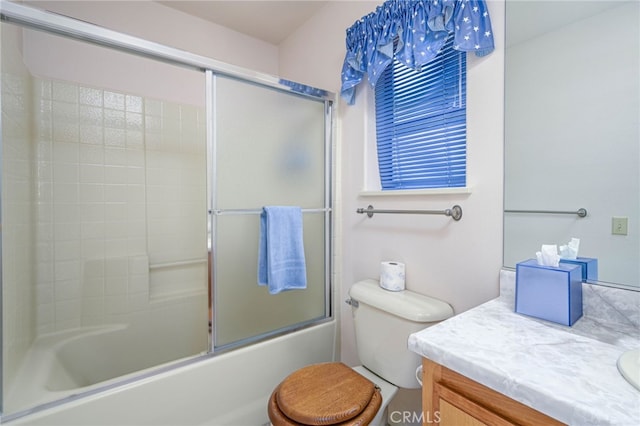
413	192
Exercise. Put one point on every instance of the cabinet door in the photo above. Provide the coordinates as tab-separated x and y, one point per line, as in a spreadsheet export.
451	399
456	410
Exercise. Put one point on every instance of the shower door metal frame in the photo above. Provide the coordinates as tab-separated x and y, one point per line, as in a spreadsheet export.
29	17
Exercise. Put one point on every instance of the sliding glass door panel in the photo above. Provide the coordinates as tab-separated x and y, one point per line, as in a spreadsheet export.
104	232
270	147
276	144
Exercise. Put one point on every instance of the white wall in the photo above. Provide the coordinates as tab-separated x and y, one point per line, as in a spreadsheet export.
457	262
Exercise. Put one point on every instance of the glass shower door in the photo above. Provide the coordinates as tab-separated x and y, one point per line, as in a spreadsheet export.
104	213
118	159
275	142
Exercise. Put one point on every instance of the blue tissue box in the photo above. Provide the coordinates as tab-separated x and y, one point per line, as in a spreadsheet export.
589	267
549	293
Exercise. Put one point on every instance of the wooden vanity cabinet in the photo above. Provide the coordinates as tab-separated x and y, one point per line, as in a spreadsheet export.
451	399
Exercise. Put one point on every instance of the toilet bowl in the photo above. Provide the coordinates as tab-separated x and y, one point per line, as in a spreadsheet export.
335	394
387	391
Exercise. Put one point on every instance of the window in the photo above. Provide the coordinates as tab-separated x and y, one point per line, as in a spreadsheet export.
421	123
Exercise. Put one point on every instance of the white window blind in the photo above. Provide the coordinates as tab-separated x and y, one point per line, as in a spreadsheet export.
421	123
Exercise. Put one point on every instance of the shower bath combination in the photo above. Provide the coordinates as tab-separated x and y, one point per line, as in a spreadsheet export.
130	209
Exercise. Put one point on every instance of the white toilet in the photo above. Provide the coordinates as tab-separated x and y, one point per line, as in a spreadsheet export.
331	393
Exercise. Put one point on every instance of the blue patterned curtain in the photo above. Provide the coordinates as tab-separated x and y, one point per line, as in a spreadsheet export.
421	28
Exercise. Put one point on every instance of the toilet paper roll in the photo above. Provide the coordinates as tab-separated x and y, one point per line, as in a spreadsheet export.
392	276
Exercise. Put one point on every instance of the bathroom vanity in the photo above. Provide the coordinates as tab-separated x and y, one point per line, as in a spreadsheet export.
490	365
459	400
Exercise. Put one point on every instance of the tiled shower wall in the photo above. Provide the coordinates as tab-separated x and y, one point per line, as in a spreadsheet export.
120	189
18	234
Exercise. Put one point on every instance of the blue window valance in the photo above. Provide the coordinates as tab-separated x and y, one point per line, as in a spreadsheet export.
421	28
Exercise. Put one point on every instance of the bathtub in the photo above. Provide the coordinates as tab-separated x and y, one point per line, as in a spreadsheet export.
231	388
94	357
43	376
77	361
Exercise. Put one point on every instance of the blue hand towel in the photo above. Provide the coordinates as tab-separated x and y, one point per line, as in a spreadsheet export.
281	263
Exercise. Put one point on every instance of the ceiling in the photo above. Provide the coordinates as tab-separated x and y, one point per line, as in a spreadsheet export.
269	20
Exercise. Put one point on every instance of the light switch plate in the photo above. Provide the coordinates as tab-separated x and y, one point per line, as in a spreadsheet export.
619	225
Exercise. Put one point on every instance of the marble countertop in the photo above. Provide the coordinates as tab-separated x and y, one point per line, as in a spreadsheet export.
568	373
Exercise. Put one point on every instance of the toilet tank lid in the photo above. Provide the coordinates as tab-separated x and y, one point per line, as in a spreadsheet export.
404	304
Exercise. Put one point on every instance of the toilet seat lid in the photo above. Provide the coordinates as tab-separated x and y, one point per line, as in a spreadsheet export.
324	394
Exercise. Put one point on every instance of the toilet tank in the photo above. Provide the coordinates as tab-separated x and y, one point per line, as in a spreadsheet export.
383	321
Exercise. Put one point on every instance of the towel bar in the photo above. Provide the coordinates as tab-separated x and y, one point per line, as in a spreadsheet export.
455	212
220	212
581	212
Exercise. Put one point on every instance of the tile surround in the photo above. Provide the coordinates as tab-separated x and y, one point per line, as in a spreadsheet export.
18	190
119	177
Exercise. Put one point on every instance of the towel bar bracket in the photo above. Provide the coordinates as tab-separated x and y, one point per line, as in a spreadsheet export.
455	212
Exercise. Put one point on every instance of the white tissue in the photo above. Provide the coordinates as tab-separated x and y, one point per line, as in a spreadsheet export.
392	276
548	255
570	251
